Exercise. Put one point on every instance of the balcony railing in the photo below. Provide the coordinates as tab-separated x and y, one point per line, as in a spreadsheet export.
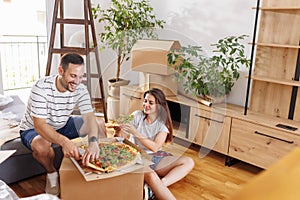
23	60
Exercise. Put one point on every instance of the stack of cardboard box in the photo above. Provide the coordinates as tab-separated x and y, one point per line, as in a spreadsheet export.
150	58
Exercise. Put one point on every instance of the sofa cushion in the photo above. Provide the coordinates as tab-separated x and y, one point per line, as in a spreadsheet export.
17	145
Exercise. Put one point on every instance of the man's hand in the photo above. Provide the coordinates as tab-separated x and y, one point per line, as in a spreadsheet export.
91	153
70	149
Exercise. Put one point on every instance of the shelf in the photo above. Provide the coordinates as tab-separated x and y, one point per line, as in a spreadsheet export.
277	45
276	80
278	8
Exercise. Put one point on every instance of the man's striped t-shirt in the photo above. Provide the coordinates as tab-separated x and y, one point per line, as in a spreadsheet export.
47	102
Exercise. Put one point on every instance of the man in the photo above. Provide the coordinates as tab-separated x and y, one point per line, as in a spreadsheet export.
48	118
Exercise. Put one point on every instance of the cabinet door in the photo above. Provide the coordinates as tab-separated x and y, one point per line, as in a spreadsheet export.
130	100
259	145
209	129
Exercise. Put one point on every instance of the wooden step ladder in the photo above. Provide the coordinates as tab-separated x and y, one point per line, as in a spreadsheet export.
88	23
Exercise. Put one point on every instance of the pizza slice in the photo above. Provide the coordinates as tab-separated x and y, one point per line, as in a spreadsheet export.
93	165
112	125
125	119
121	120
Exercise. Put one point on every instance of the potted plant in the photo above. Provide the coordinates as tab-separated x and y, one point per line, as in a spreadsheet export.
212	76
125	21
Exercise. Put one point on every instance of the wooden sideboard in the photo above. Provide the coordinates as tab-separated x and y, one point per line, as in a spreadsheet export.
253	138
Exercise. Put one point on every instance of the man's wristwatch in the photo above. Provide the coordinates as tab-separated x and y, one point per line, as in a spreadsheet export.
93	139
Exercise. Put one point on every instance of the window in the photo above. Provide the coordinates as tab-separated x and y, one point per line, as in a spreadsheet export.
23	43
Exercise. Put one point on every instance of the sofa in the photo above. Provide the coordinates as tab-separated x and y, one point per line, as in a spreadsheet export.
21	165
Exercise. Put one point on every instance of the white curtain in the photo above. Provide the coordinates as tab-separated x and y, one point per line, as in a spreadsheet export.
1	85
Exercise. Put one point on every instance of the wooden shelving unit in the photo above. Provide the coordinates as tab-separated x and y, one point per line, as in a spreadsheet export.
275	78
270	126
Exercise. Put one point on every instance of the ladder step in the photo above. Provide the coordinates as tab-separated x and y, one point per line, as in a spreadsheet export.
72	21
78	50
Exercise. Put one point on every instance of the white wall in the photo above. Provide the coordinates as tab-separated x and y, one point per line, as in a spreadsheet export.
1	84
200	22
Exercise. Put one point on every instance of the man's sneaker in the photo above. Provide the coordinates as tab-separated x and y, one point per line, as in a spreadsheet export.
146	197
52	190
148	193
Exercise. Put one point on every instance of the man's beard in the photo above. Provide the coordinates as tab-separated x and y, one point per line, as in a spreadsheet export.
67	85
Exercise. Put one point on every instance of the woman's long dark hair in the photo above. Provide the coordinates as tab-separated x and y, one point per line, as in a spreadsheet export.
163	110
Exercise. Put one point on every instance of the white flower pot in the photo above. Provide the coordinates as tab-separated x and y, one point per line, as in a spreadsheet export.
114	87
113	100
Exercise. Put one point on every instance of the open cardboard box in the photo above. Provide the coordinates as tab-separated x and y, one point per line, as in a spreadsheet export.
125	184
91	176
151	56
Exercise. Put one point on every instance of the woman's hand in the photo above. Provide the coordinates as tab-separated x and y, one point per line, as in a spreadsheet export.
119	132
130	129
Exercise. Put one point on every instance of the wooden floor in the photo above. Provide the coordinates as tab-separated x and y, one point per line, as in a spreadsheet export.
209	180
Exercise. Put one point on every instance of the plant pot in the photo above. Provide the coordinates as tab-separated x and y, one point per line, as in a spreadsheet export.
114	87
113	100
113	108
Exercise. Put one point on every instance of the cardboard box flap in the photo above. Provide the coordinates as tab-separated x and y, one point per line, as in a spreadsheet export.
151	56
150	45
142	161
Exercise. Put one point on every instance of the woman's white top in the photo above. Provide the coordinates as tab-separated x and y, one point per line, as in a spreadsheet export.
147	130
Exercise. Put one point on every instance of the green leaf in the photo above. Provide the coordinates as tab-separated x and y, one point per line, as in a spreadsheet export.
124	22
214	75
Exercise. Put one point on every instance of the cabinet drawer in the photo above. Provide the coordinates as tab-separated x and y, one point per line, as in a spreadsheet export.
209	130
130	100
259	145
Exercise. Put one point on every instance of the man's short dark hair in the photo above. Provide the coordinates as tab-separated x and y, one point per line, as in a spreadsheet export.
73	58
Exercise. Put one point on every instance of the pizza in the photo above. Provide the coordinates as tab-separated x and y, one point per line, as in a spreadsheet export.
112	125
125	119
121	120
114	156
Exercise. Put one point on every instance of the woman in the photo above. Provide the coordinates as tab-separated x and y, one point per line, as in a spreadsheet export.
151	128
